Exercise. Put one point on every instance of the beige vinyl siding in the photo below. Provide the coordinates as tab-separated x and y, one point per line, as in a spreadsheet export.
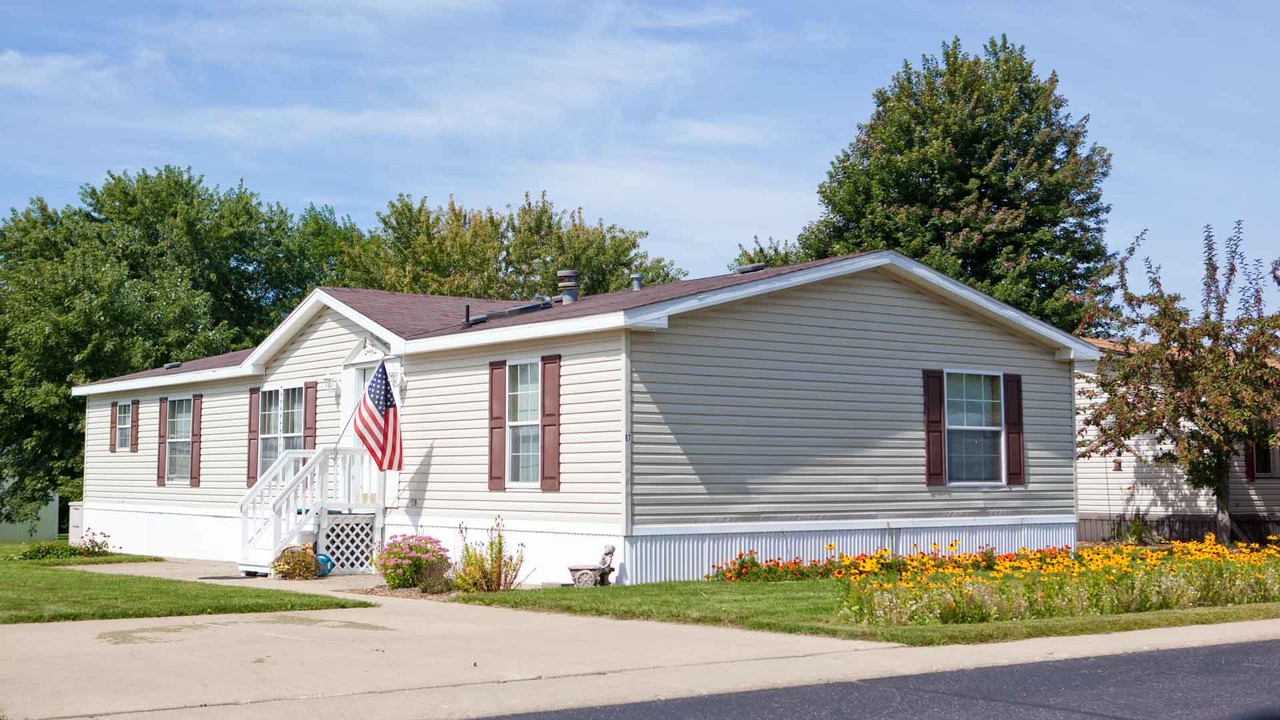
807	404
318	351
125	477
445	418
1141	488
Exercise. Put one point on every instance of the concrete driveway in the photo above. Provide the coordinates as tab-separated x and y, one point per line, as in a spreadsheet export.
426	659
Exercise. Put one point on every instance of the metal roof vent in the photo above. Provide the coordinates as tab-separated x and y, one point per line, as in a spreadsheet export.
568	286
750	268
172	365
637	281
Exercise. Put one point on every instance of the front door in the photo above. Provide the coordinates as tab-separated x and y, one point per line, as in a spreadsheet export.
389	481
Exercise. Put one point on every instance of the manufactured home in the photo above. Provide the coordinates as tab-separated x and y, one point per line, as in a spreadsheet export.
866	401
1117	489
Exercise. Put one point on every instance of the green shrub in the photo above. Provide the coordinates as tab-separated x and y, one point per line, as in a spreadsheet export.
487	567
296	562
414	561
52	549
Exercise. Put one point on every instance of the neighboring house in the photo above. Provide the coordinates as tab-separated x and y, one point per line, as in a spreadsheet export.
43	527
866	401
1118	488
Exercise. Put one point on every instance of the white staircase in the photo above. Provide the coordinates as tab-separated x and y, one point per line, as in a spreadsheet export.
327	496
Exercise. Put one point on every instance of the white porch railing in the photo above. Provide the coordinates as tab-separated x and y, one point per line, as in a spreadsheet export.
296	490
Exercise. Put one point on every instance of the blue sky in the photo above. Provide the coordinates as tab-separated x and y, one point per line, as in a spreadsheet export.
702	124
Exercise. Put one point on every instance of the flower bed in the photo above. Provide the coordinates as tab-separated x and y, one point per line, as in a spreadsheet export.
944	586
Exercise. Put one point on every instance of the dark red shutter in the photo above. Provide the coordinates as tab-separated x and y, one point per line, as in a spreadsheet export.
1015	449
1250	463
309	416
162	456
112	446
550	454
254	398
935	429
498	425
133	426
197	400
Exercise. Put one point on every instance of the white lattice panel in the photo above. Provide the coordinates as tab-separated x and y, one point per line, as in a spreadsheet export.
349	541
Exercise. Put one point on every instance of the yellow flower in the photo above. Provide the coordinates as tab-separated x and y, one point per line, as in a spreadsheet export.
829	546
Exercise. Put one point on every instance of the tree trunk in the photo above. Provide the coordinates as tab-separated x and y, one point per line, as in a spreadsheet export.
1222	493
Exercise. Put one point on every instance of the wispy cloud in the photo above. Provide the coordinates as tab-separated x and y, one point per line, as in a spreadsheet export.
688	17
740	132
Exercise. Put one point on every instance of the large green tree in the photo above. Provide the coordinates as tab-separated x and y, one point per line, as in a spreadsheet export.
972	164
453	250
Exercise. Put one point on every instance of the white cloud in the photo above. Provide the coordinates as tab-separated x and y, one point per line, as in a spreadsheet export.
56	73
696	212
742	132
688	18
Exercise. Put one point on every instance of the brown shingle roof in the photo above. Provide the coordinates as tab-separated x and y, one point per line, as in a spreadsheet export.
409	315
621	299
230	359
412	316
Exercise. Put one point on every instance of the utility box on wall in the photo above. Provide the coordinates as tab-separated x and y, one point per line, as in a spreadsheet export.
75	525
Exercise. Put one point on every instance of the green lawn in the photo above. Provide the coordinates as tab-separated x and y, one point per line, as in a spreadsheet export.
36	591
811	607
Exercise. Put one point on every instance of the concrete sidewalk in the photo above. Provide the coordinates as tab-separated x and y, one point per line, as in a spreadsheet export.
426	659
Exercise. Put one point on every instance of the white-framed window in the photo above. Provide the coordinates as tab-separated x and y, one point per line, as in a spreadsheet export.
524	432
178	437
975	428
124	425
279	424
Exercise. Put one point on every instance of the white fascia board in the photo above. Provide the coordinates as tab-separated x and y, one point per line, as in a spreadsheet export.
148	383
317	301
1070	346
516	333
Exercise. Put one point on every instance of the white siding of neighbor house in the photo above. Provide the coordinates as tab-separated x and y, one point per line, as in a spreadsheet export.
126	477
1141	488
807	404
445	418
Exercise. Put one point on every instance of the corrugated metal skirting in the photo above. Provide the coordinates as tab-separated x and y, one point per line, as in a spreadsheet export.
657	558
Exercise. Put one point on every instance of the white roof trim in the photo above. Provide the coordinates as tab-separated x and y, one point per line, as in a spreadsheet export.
316	302
1067	346
159	381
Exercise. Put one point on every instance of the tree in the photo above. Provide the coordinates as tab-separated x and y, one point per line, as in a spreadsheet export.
452	250
150	267
972	165
69	313
1200	384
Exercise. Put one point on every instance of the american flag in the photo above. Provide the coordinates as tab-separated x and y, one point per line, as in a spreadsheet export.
378	422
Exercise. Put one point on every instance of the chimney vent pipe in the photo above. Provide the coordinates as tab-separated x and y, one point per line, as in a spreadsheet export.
568	286
637	281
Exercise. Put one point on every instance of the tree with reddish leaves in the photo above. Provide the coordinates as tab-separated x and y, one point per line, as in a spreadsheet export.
1200	383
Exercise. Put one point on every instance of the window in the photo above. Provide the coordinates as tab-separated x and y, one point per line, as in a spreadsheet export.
523	430
124	425
279	424
975	429
178	437
1263	455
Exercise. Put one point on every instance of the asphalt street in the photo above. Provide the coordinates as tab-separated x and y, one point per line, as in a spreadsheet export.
1223	681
